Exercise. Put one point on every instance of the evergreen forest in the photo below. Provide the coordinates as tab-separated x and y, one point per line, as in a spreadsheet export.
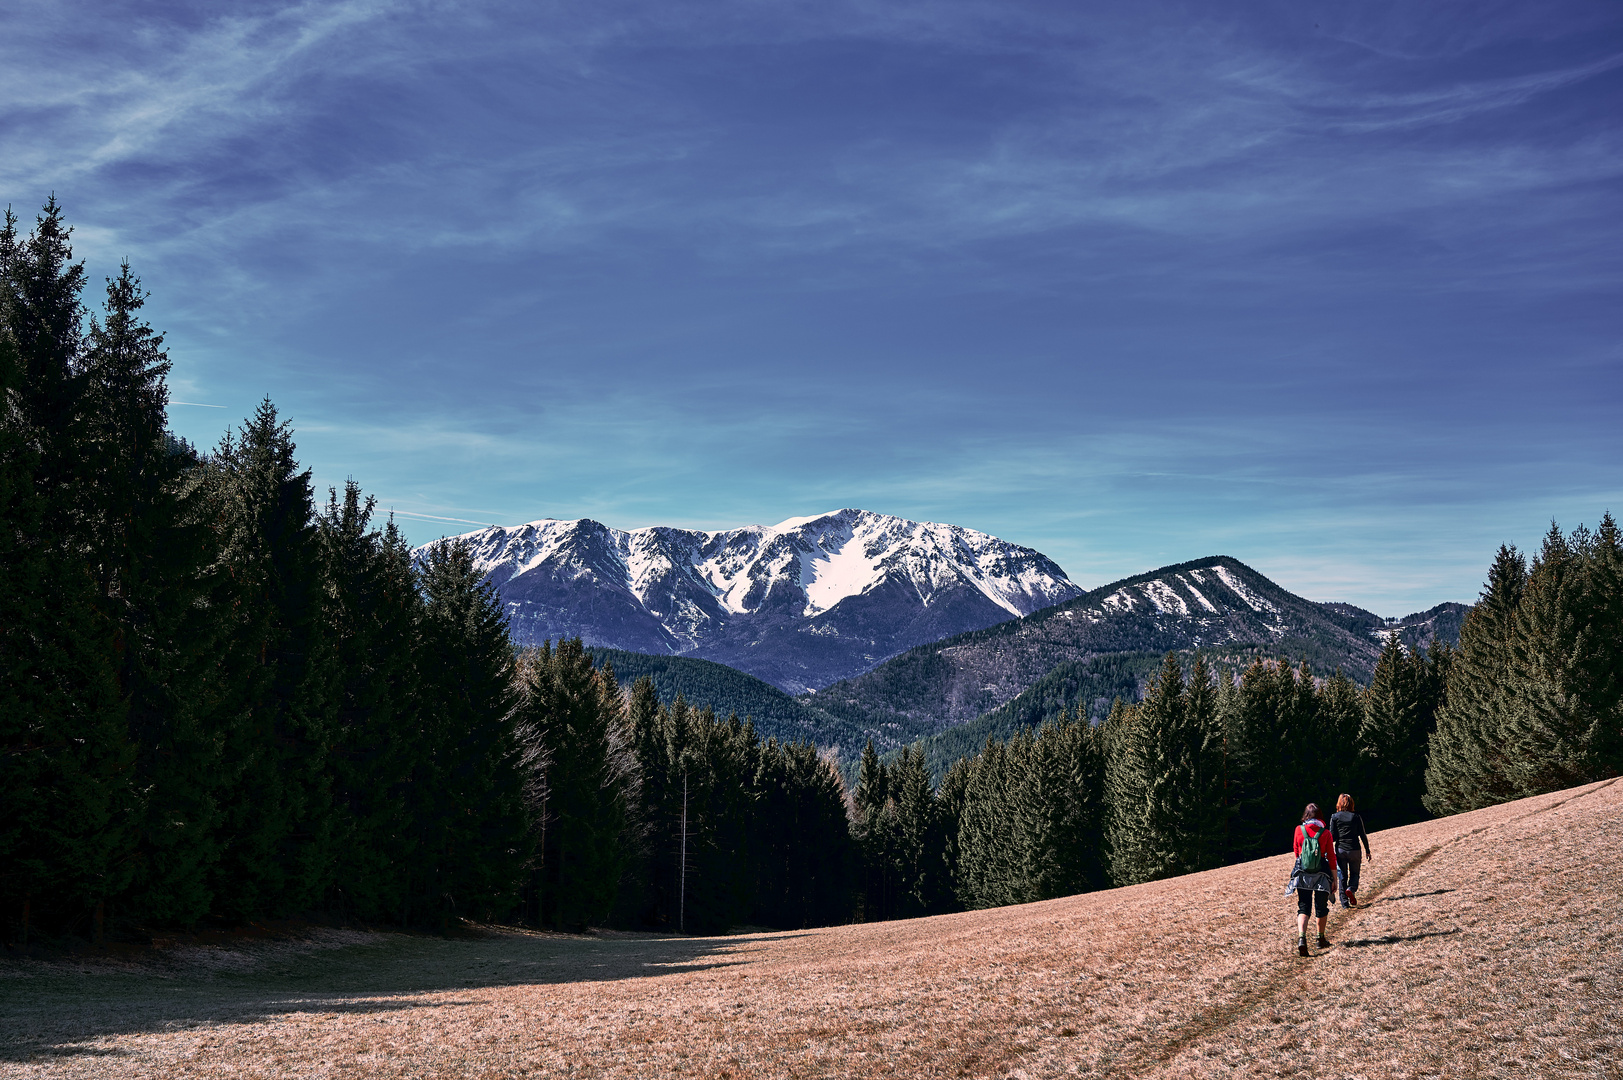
225	698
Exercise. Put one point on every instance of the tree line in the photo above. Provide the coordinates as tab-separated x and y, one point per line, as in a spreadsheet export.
225	698
1213	766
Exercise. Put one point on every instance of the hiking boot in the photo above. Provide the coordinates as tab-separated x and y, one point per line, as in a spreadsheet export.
1301	948
1324	943
1352	900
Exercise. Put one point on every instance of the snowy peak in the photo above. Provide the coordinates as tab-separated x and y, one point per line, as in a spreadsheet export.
1196	593
875	580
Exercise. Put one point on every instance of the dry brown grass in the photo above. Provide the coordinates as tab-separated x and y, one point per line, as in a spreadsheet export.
1486	949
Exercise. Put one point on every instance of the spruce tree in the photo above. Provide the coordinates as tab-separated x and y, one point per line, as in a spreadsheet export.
1340	717
1274	756
145	534
1466	768
1563	715
1398	722
804	853
467	793
374	616
992	863
918	844
68	804
1067	787
278	813
586	838
1604	569
872	827
1167	794
951	799
45	313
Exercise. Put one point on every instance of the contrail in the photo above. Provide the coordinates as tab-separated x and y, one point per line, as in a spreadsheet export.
199	404
436	517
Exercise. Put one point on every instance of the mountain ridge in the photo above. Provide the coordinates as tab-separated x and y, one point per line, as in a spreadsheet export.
799	604
1216	604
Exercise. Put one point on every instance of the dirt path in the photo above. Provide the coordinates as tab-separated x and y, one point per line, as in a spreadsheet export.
1486	948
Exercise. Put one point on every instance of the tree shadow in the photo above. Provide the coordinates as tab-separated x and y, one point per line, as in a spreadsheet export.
1396	939
51	1013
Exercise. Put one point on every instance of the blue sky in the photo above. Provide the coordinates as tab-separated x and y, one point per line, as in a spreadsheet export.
1334	289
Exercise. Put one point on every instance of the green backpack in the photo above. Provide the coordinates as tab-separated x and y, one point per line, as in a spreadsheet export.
1311	861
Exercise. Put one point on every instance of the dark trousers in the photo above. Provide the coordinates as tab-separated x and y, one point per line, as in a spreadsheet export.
1347	866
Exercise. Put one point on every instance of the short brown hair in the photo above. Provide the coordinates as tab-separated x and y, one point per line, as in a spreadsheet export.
1311	812
1344	803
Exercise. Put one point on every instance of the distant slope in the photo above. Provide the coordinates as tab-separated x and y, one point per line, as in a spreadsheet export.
1096	682
726	690
1216	604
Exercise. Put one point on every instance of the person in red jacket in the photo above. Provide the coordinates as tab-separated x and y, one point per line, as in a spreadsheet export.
1312	879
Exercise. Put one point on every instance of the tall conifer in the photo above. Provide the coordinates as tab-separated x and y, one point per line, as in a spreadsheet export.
1465	766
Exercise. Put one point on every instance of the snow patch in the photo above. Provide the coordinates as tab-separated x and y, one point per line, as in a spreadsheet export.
1166	601
1255	602
1197	594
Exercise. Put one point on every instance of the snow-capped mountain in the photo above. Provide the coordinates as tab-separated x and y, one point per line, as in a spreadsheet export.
1217	604
799	604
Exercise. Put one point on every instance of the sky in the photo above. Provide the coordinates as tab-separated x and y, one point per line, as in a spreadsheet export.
1331	288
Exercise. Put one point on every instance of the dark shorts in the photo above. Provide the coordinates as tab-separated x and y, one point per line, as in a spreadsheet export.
1308	899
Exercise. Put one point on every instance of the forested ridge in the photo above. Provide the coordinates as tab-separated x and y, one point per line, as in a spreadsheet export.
225	698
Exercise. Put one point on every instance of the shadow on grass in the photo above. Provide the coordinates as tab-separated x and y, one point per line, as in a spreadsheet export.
1397	939
50	1011
1410	896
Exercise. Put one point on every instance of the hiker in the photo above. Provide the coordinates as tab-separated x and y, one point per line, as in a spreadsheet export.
1313	877
1347	829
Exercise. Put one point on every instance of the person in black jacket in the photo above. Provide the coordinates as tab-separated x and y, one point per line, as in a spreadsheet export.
1347	829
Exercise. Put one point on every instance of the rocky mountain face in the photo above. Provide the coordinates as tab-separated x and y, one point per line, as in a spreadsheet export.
799	604
1216	604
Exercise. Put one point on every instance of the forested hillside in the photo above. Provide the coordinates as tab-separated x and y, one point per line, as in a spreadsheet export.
1218	606
728	691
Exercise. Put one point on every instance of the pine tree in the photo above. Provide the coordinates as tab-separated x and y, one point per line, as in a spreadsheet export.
278	814
1274	757
951	799
1067	786
1340	717
1167	801
992	862
587	836
805	858
1398	721
374	620
68	806
467	795
1563	715
1465	766
917	837
873	828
